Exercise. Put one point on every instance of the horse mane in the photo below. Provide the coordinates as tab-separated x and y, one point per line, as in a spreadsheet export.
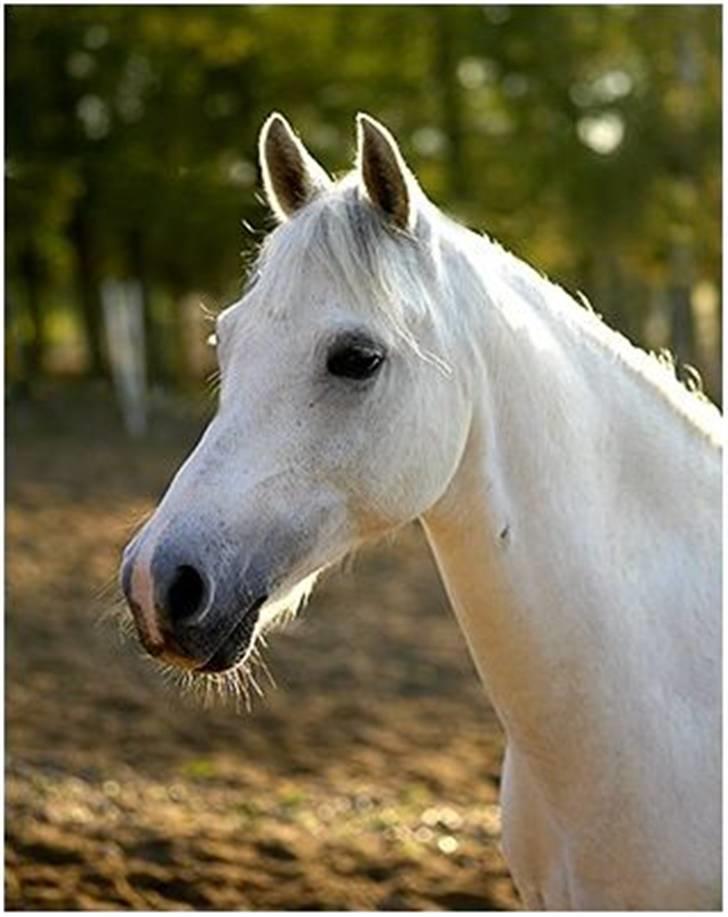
659	371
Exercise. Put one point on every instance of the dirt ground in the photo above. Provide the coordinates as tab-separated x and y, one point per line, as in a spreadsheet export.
366	779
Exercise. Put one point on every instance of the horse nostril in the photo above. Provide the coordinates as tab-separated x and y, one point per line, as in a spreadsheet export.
186	594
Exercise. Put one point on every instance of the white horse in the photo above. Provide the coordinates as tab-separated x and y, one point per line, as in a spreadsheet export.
385	364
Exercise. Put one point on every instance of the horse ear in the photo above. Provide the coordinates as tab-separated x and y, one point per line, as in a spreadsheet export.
387	181
291	176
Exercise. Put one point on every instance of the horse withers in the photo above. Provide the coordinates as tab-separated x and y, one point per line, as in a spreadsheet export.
385	364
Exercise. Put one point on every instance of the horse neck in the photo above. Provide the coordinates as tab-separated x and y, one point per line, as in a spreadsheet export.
573	466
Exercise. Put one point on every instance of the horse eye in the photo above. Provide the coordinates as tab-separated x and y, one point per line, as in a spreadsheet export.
355	361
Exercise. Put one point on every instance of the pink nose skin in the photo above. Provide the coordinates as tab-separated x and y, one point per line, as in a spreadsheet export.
141	601
139	589
140	596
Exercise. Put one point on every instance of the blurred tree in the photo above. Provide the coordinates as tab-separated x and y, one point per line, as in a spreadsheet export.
586	138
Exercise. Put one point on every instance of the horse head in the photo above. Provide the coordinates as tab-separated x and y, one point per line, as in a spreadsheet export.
339	417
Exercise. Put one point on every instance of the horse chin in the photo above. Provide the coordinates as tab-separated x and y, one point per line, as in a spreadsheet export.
265	615
236	646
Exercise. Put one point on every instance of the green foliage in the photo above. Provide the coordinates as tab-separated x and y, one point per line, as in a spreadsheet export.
586	138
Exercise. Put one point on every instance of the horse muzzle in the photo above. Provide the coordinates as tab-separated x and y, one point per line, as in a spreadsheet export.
194	613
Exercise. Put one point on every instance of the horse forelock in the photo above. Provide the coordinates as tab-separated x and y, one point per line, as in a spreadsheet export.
358	258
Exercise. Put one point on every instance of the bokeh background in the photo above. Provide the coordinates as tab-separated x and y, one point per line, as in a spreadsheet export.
584	138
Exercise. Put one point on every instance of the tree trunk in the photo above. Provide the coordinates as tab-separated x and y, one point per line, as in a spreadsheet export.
36	347
451	109
682	335
18	377
682	259
87	286
157	365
